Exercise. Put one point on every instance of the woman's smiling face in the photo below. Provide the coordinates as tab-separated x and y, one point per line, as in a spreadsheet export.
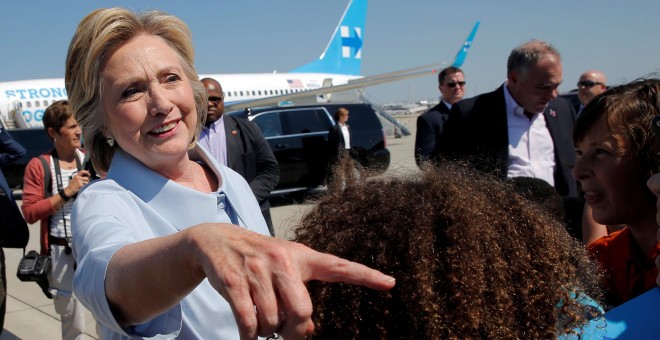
148	102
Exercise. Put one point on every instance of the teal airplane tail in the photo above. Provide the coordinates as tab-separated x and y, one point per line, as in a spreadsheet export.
343	55
462	54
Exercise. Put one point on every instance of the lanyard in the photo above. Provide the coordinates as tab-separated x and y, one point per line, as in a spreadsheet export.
58	181
58	172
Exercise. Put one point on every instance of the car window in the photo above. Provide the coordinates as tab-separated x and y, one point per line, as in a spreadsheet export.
305	121
269	123
362	117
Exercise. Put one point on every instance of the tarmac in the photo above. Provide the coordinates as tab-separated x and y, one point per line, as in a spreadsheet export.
30	315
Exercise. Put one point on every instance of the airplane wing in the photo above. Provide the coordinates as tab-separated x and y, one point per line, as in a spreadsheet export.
362	82
414	72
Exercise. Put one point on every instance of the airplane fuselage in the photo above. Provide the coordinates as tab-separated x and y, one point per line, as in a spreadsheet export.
25	101
250	86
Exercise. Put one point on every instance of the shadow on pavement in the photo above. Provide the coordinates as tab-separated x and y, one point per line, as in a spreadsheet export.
7	335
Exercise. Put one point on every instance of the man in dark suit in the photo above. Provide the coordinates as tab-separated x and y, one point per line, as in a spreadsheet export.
451	83
240	145
520	129
10	151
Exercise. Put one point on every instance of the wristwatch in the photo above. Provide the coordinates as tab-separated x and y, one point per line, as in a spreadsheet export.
63	195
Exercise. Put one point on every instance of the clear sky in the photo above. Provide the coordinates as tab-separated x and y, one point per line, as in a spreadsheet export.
618	37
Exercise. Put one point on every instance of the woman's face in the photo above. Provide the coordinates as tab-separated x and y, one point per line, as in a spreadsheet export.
148	102
343	118
610	182
68	137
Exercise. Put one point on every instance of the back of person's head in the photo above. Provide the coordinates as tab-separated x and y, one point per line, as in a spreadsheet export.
528	54
540	192
98	35
629	110
472	259
56	115
447	71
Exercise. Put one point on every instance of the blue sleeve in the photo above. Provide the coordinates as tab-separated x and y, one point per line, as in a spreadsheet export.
10	150
103	221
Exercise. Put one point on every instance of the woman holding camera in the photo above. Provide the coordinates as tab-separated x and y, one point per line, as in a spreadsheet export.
50	185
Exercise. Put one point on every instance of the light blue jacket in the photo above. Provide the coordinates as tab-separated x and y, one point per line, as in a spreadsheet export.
134	204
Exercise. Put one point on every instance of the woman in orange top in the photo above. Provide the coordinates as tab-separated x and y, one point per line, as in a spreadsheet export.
616	155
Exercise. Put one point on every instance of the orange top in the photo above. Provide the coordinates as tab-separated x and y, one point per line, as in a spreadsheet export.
628	271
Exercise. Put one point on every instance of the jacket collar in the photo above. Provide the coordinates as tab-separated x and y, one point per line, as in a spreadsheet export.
178	205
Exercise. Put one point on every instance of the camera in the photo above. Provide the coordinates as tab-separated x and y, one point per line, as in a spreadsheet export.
33	267
75	173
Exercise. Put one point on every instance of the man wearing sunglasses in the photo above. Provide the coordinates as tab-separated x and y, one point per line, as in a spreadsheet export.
520	129
591	84
429	124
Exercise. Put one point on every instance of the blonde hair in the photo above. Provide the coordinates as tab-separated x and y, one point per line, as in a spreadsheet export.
98	35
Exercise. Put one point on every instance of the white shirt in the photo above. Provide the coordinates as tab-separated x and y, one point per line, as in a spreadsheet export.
346	134
62	215
446	104
531	149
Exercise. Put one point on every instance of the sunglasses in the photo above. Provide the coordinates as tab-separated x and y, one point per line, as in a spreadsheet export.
215	99
588	83
454	84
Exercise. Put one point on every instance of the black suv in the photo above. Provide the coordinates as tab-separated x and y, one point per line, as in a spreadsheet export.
298	136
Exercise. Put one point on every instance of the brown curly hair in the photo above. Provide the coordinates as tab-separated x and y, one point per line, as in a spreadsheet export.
472	259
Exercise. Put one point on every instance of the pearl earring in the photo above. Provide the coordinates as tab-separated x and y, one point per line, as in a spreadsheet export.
110	141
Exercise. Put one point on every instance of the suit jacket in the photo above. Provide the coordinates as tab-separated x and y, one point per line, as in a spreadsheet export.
477	130
429	129
10	151
14	231
336	141
249	154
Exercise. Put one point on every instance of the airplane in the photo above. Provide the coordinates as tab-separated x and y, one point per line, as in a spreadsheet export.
336	70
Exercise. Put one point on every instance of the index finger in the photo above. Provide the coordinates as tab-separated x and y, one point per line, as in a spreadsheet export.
330	268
